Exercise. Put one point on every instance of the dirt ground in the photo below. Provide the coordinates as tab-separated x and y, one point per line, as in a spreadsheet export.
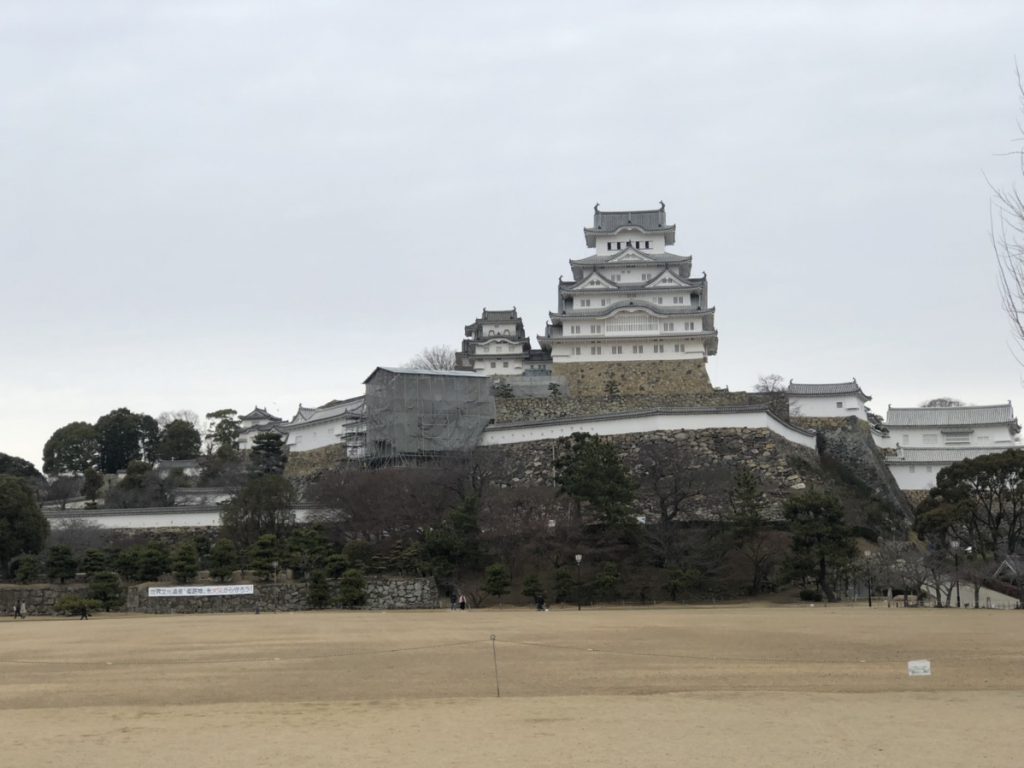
721	686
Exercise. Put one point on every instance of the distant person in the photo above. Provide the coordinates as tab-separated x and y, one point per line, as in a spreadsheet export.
462	602
24	609
539	600
455	601
17	610
84	614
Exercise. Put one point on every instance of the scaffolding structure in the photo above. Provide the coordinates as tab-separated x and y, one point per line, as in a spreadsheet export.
413	413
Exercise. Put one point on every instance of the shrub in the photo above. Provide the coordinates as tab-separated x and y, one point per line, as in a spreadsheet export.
27	568
352	588
318	591
72	605
105	588
810	595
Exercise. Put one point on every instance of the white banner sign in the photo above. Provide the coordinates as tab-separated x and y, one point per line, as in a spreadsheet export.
207	591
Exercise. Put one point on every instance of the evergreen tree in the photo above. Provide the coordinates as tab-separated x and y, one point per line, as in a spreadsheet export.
352	588
318	590
185	564
223	559
268	456
94	561
60	563
589	471
497	581
23	528
263	556
822	544
106	588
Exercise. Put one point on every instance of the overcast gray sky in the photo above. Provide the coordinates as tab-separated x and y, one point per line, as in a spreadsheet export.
221	204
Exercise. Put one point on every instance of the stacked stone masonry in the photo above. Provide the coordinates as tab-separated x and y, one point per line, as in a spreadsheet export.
382	593
709	458
510	411
648	377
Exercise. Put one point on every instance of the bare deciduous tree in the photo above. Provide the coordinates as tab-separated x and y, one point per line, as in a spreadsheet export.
1008	239
438	358
771	382
942	402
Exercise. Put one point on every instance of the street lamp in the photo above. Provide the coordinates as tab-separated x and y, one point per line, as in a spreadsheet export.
579	581
955	546
867	560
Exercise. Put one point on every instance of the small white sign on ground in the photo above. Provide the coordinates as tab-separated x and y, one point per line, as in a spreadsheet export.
919	668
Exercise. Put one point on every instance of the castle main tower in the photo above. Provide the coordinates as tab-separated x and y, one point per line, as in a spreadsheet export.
632	313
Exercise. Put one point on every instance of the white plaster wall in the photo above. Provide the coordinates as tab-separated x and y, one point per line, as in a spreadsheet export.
561	351
313	435
915	477
500	329
914	437
497	435
825	407
515	367
657	241
169	517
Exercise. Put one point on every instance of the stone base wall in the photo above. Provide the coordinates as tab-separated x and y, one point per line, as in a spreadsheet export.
382	593
641	377
545	408
303	464
710	460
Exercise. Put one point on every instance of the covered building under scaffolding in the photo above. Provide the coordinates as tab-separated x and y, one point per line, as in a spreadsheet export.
412	412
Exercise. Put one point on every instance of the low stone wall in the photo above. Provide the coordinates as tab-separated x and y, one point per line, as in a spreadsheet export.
382	593
39	599
640	377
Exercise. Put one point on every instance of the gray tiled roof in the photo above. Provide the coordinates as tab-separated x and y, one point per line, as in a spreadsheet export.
942	455
649	221
650	258
332	410
840	388
259	413
499	315
956	416
425	372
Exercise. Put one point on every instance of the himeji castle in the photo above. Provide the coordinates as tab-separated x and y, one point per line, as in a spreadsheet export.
632	302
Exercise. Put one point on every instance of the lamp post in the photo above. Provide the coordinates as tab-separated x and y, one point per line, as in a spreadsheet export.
579	581
955	546
867	560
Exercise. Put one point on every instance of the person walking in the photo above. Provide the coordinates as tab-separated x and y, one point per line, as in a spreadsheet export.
462	602
23	609
17	610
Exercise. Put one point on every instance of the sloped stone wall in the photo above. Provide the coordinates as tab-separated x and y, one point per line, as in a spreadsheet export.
849	444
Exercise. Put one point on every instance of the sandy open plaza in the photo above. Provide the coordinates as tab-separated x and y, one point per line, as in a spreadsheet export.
716	686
